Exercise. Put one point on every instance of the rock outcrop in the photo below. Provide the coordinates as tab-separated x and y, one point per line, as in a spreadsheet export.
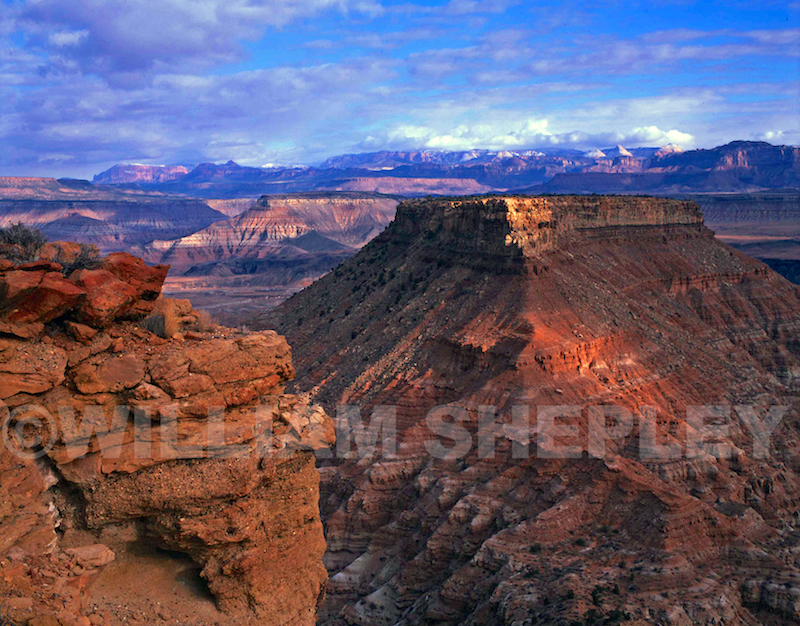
188	444
493	307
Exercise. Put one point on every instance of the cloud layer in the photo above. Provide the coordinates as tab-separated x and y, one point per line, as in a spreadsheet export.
92	83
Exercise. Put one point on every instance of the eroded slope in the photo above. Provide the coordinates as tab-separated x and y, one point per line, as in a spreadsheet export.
548	301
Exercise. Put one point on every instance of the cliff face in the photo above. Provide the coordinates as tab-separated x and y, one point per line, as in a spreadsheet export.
276	222
518	229
528	302
187	444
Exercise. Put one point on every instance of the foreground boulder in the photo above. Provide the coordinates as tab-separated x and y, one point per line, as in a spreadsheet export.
33	294
189	445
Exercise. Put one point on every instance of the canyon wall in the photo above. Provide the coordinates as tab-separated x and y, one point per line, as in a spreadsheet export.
283	227
499	306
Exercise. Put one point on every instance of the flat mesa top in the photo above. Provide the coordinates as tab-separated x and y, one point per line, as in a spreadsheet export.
561	213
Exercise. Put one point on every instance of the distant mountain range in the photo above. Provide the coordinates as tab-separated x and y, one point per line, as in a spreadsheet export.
740	166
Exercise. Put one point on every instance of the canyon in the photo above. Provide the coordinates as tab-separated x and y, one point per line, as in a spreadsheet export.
489	304
304	222
237	267
113	220
232	256
192	218
475	307
118	502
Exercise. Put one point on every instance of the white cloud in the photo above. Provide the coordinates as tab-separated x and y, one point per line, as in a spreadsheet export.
779	37
652	135
533	133
68	38
779	136
471	7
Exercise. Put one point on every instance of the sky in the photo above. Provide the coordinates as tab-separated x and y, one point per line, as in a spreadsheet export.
85	84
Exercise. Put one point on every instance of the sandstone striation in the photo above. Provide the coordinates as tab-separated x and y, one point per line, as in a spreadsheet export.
110	218
292	228
118	439
526	302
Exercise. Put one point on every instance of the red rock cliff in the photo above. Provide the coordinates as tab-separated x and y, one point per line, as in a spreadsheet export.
580	301
188	444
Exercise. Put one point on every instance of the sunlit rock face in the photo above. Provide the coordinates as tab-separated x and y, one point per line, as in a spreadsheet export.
184	442
540	301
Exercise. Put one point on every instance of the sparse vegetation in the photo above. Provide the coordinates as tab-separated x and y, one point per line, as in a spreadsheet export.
536	548
599	590
28	242
617	615
205	321
531	573
163	325
87	258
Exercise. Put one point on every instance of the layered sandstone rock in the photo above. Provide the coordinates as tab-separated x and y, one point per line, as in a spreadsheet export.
185	444
110	218
280	227
527	302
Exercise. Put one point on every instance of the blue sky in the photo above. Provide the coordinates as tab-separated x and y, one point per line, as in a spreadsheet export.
89	83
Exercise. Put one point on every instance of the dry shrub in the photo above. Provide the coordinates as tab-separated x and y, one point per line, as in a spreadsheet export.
205	321
164	325
154	324
23	243
87	258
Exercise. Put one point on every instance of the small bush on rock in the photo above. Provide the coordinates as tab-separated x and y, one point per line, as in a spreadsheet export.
163	325
88	258
25	242
205	321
